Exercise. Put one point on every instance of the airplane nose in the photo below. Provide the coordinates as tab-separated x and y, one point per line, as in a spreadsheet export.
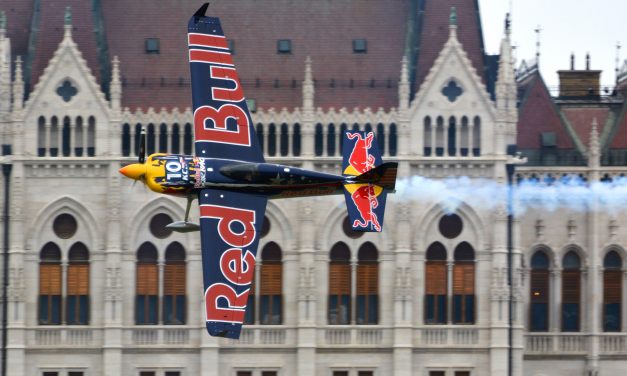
133	171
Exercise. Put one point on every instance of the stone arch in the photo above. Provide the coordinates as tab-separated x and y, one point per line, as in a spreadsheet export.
469	216
550	253
72	206
583	257
616	248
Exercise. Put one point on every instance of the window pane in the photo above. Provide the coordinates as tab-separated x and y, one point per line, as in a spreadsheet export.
268	373
340	373
244	373
570	317
539	317
249	316
611	317
436	373
75	373
172	373
365	373
147	373
48	373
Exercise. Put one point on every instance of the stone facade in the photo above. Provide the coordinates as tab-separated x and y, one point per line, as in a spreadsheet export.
113	221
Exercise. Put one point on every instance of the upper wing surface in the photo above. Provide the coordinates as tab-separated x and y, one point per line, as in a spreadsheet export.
223	127
230	227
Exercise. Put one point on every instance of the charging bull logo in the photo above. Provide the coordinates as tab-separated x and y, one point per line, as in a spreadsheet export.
360	158
364	197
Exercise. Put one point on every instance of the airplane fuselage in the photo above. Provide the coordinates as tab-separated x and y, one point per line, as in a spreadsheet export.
182	175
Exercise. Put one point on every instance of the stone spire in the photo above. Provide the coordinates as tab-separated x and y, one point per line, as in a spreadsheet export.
594	147
452	23
3	24
18	86
505	90
403	86
67	22
5	83
308	89
116	85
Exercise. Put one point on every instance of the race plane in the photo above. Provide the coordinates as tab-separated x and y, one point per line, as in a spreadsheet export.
232	181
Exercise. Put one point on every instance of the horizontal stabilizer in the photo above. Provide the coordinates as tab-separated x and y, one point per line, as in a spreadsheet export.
383	175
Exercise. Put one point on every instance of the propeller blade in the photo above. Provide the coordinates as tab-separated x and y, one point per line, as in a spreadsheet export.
142	146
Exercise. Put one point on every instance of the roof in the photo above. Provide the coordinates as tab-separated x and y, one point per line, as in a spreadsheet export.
581	119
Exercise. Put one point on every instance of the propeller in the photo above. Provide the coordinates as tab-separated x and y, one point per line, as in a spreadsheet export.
142	146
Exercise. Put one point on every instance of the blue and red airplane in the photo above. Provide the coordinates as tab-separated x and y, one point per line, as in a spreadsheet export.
232	181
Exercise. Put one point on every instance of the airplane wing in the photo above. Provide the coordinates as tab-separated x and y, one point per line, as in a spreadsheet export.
223	127
230	227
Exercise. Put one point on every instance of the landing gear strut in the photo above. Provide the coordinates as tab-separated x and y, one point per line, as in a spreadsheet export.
184	226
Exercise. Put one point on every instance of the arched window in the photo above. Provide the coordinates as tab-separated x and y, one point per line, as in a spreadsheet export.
54	136
571	292
147	285
174	285
176	139
339	311
612	292
65	137
356	127
331	140
77	301
343	128
476	136
126	140
271	285
381	137
393	140
539	293
367	302
427	136
285	139
187	139
463	137
91	136
464	284
271	140
163	138
41	136
260	136
435	284
318	140
50	285
439	136
150	139
452	136
137	138
296	140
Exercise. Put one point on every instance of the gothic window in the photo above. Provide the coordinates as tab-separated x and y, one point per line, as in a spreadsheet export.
150	139
381	137
452	91
331	140
158	225
452	136
163	138
284	140
393	143
435	284
539	293
571	292
147	285
343	128
50	285
137	138
77	301
464	284
464	135
65	136
476	136
612	292
54	136
260	136
427	136
339	311
439	136
174	285
126	140
79	137
368	128
187	139
271	140
176	139
450	226
41	136
347	228
91	136
367	299
356	127
271	285
318	140
296	140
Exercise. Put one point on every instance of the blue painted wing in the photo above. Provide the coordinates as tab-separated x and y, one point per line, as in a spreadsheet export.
223	127
230	227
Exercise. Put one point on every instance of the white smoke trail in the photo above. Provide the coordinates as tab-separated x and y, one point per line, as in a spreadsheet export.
567	193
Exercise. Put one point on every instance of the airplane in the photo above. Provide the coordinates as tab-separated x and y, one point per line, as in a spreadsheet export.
232	182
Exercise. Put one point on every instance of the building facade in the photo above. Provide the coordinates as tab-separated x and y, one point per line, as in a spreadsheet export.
98	286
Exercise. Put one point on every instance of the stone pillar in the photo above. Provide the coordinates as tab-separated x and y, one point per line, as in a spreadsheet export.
306	292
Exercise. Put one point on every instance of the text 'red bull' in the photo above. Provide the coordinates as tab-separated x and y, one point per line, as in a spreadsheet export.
236	265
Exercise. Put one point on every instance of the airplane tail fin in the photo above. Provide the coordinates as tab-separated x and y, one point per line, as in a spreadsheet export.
368	180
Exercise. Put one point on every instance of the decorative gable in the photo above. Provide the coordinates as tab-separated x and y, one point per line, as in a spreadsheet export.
452	114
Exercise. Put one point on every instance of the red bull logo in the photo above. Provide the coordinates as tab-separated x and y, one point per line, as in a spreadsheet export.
360	160
364	197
